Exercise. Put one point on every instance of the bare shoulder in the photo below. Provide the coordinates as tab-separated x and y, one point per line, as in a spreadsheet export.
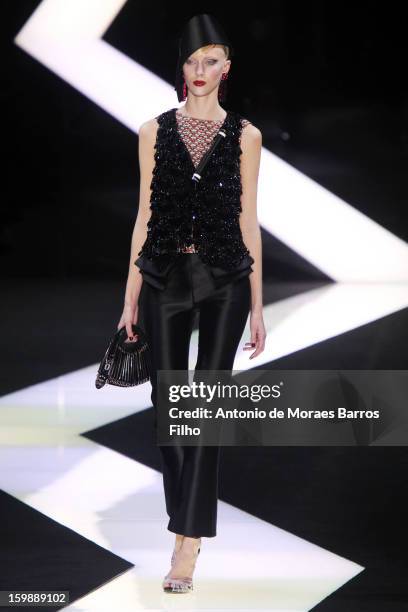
250	133
251	139
148	129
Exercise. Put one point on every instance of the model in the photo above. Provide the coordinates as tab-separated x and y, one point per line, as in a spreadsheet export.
193	250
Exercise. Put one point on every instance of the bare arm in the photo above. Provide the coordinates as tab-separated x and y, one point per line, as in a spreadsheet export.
147	139
251	145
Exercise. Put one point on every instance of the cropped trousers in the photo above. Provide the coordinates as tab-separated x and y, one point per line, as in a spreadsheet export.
190	473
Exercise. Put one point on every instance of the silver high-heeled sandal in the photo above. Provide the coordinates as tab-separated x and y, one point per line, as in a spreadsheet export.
173	558
179	585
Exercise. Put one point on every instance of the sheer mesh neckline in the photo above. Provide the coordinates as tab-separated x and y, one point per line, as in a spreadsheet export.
197	119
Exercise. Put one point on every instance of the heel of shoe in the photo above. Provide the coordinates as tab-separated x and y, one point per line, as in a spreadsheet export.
179	585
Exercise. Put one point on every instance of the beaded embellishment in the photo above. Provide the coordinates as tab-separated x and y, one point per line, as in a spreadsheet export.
204	214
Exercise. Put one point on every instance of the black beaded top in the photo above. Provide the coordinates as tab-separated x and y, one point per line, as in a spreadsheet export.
205	213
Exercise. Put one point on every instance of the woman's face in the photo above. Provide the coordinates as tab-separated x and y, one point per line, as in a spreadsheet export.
203	70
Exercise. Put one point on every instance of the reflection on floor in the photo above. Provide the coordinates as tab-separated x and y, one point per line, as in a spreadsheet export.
299	528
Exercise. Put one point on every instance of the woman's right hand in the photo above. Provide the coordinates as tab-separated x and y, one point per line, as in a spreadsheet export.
129	316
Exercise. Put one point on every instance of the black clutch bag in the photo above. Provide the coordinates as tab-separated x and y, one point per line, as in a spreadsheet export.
125	364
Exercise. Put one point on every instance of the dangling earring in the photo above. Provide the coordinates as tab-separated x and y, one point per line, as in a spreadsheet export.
184	91
222	90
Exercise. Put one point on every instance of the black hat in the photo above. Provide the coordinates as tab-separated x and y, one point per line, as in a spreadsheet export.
200	30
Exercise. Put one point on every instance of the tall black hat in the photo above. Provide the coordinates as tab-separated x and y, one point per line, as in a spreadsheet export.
200	30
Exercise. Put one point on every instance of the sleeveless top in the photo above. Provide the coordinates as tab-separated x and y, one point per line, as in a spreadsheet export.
185	214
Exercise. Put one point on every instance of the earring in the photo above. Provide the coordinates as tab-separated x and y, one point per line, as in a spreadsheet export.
184	91
222	90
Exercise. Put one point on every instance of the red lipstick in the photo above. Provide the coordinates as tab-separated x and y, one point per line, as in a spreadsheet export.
199	83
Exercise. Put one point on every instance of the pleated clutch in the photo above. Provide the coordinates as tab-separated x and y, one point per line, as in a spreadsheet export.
125	364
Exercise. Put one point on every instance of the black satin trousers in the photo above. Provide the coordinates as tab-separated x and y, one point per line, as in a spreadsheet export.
190	473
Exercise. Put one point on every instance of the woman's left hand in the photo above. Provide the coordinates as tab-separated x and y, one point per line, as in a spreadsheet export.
258	334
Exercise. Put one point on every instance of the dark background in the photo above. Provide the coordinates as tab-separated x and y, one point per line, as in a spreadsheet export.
324	83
